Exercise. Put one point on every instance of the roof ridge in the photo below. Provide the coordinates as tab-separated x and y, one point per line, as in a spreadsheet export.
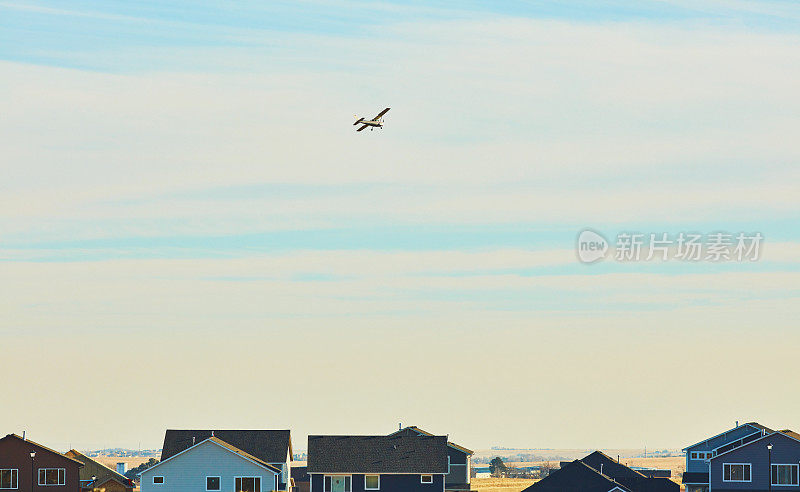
43	447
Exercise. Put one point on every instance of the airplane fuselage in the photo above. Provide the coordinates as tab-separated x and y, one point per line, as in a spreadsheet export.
375	123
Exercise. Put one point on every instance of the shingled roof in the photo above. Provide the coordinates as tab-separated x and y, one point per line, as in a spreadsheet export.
413	429
402	453
576	477
270	446
628	477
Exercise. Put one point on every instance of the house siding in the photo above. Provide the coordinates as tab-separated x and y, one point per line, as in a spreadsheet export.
389	483
459	471
785	450
15	454
734	434
187	472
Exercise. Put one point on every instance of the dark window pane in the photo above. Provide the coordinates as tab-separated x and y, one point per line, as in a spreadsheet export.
212	483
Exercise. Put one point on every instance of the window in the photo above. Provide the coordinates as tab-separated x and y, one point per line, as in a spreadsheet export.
736	472
248	484
426	478
212	483
9	478
784	474
158	480
52	476
700	455
372	482
337	483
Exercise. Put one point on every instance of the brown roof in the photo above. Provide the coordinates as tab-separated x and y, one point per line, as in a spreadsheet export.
101	471
45	448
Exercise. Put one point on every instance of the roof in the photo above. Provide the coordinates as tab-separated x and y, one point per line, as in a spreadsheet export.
43	448
576	476
100	470
787	433
224	445
400	453
755	425
630	478
695	477
270	446
414	428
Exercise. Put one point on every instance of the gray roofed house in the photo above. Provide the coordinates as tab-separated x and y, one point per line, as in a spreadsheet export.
402	462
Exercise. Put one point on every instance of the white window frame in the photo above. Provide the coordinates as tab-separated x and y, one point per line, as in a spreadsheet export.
372	475
423	481
795	465
748	465
14	478
331	475
220	483
260	484
163	480
62	473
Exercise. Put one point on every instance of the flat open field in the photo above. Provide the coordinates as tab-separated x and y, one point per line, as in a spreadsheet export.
500	484
111	461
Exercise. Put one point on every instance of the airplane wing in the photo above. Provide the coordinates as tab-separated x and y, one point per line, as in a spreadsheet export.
381	113
362	128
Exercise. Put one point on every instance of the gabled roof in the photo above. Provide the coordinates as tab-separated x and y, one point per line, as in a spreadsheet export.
39	447
415	429
102	471
784	433
754	425
576	476
224	445
628	477
271	446
400	453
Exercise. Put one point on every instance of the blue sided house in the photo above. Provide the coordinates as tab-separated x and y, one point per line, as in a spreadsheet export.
769	463
222	461
698	455
402	462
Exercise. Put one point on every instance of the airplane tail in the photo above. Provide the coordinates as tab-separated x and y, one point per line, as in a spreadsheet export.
359	121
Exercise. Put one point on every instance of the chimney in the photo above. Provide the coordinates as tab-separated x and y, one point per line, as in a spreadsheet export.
122	467
737	423
23	435
399	426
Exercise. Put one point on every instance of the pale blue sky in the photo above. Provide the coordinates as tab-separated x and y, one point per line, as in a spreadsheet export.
183	179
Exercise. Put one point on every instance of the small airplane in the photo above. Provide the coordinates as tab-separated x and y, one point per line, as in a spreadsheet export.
376	122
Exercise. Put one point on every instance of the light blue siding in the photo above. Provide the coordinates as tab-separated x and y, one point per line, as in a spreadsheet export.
187	472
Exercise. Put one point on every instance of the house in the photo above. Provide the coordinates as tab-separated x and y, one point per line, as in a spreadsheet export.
458	461
404	462
25	464
222	460
96	477
769	462
600	472
695	478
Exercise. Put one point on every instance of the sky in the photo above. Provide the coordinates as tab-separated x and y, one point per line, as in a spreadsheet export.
192	234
